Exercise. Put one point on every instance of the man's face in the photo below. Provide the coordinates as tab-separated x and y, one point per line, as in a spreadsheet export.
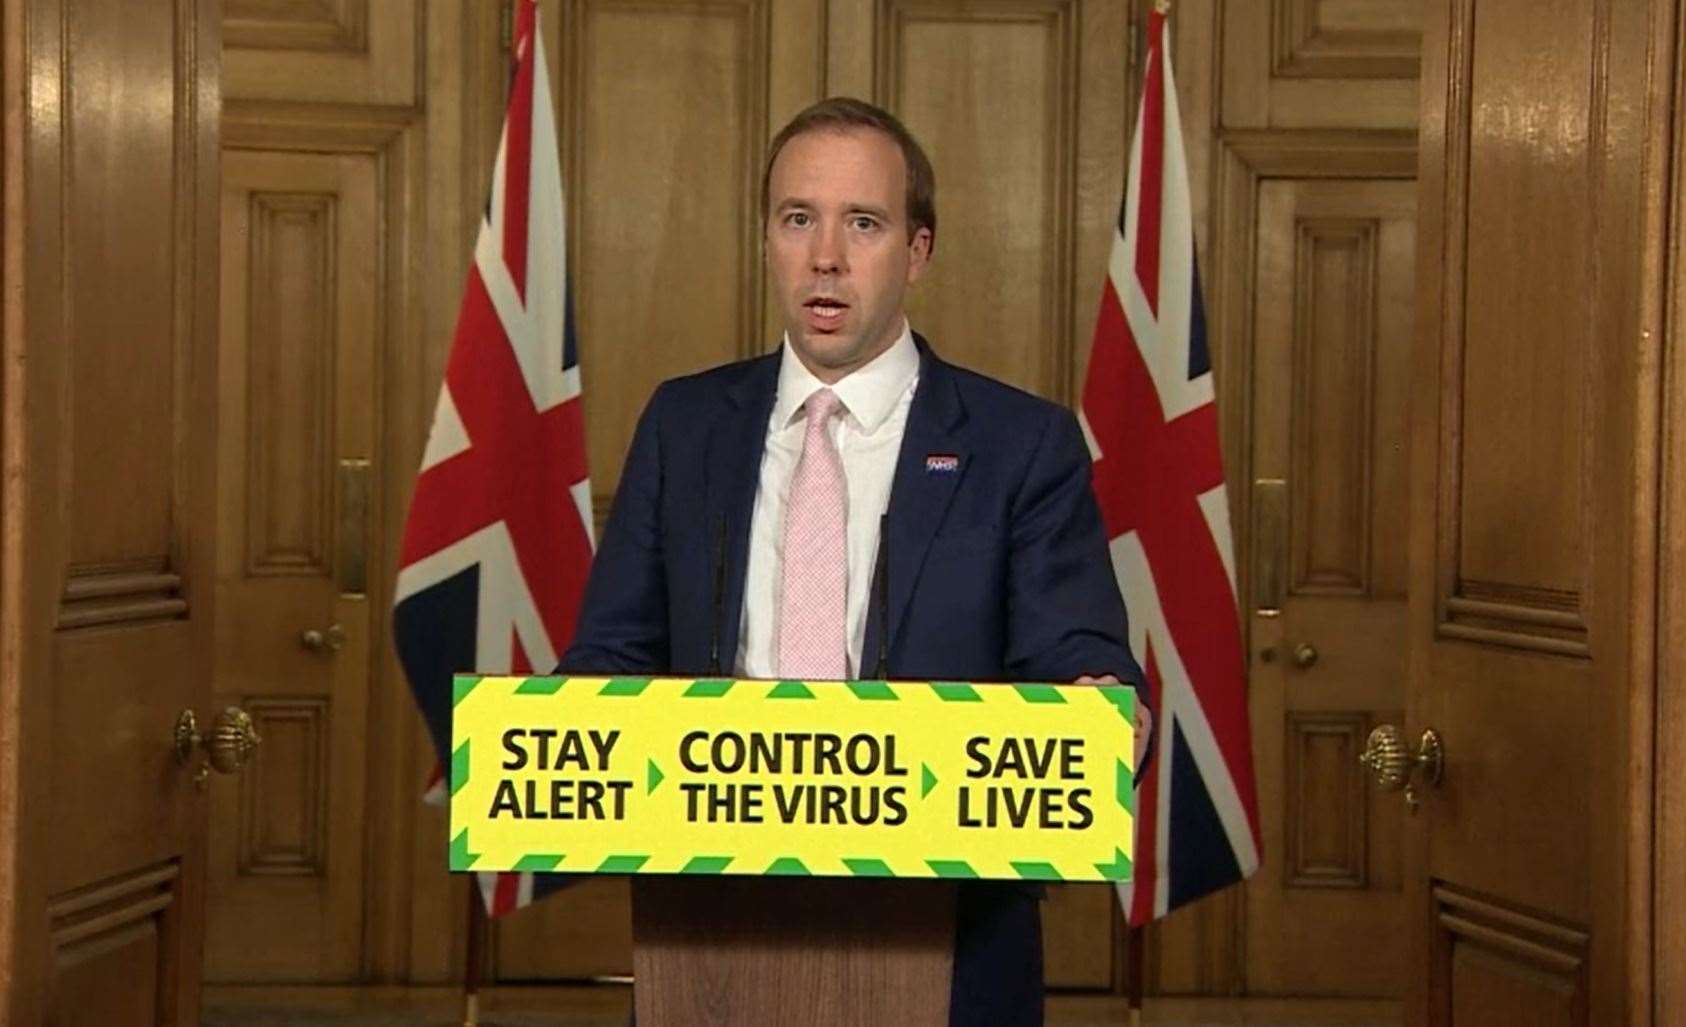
839	248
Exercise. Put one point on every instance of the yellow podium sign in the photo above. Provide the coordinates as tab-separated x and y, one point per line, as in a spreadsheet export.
861	778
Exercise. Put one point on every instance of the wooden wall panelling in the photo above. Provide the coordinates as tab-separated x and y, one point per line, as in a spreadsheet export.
800	30
1664	875
1197	950
1023	232
1196	28
1106	87
1321	64
992	93
322	51
671	206
1345	39
15	710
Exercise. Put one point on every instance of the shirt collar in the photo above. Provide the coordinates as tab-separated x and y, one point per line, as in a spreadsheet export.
869	393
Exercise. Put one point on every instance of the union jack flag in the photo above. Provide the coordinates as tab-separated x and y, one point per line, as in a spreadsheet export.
498	542
1152	426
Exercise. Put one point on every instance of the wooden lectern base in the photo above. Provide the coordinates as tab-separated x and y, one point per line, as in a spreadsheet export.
784	951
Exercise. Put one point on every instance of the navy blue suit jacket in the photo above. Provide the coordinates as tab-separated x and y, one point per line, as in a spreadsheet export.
998	568
998	571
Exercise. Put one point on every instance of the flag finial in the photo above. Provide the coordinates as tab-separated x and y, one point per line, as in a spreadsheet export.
1162	6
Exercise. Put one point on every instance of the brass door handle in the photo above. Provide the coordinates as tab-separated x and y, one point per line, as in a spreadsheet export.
1394	765
228	748
329	641
1305	654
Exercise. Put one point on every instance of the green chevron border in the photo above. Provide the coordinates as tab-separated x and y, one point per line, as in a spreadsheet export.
1122	699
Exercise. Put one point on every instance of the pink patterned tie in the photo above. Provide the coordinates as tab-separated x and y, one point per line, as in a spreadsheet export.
813	604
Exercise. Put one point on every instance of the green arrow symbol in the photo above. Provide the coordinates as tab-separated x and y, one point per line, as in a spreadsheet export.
927	779
655	777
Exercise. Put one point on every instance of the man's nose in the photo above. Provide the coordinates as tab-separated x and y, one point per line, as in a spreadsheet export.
828	255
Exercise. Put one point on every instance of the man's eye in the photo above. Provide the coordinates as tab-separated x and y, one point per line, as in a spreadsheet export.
865	224
797	219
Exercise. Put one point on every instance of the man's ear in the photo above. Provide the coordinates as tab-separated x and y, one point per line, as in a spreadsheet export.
919	253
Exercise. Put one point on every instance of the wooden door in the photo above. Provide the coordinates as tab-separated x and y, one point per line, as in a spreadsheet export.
110	299
1534	483
297	396
1331	363
342	204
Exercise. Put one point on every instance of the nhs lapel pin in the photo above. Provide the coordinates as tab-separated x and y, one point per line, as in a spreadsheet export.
941	463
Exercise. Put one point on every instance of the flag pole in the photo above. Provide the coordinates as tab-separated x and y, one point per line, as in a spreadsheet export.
1136	936
1134	985
476	959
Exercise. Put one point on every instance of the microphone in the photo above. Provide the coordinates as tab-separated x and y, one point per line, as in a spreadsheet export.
882	573
719	596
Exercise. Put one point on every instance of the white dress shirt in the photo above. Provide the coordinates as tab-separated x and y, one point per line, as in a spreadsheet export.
876	399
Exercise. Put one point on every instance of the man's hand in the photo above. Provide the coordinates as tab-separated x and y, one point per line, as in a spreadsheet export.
1144	718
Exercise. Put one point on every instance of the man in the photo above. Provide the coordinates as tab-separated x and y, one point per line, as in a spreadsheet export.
746	534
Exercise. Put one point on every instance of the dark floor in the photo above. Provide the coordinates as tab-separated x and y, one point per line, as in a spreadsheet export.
606	1007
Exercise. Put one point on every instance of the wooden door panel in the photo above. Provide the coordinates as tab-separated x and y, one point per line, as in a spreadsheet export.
110	417
1521	440
1511	342
1530	507
1321	63
671	206
122	930
324	51
1003	267
1021	109
300	343
1331	344
1504	966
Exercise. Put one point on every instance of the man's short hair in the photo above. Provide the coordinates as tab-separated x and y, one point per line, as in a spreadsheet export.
840	113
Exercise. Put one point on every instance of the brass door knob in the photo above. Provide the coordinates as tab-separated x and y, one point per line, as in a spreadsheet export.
1305	654
1394	765
329	641
228	748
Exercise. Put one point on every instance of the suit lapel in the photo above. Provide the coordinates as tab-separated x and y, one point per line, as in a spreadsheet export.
923	487
735	448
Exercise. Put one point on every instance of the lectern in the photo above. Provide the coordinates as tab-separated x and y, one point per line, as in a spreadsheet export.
795	846
781	951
